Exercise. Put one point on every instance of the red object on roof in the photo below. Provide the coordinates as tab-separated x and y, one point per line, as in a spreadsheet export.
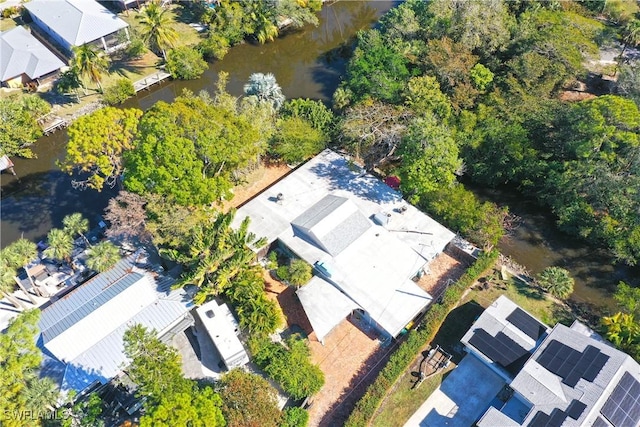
392	181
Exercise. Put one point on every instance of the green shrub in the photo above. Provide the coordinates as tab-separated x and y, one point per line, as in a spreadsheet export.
299	272
213	47
136	48
290	365
283	273
417	338
295	417
556	281
118	92
185	63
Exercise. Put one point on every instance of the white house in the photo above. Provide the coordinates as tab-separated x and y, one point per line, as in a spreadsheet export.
77	22
24	59
365	242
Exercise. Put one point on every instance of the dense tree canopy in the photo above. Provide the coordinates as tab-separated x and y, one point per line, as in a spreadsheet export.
172	400
96	144
189	150
248	400
19	124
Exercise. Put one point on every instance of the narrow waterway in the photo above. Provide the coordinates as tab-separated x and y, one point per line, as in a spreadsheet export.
307	63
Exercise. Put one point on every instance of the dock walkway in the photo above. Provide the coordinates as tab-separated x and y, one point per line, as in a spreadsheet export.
148	81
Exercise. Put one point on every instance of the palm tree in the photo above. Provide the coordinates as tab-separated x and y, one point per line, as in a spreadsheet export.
556	281
622	330
265	88
218	255
76	224
8	283
41	394
60	245
19	254
90	62
103	256
156	28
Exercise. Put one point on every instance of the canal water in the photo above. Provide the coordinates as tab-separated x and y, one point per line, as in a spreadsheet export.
306	63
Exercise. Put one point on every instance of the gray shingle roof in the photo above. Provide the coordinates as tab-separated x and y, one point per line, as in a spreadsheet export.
76	21
21	53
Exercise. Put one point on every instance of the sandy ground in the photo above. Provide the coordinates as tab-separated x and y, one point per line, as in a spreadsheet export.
443	269
255	182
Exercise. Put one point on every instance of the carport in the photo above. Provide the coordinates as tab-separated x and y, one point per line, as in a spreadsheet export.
461	398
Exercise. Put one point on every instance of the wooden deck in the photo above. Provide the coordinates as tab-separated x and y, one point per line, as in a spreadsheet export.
149	81
53	126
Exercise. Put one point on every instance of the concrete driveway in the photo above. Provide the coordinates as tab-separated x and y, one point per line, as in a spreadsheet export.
461	398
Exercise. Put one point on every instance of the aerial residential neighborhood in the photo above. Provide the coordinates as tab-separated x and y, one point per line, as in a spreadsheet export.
291	213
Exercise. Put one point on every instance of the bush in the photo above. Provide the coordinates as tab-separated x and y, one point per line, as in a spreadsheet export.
295	417
299	272
136	48
409	349
289	366
213	47
185	63
118	92
296	140
283	273
556	281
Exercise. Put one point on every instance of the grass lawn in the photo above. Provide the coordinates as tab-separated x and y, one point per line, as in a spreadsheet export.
187	36
133	69
405	400
402	401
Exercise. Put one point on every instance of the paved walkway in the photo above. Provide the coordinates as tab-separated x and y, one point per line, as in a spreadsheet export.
461	398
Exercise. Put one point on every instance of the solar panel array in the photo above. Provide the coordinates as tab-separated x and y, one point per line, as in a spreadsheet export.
599	422
527	324
557	416
622	408
500	349
572	365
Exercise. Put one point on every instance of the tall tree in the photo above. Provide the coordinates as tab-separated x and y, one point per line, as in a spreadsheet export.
8	283
265	88
103	256
296	140
127	217
74	224
96	144
91	62
172	400
248	400
191	151
19	254
156	28
60	245
19	126
19	360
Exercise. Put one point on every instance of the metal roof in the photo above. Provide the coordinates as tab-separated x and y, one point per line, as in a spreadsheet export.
76	21
21	53
84	329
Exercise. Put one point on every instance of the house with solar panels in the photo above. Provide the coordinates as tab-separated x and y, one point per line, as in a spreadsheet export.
565	376
367	244
81	331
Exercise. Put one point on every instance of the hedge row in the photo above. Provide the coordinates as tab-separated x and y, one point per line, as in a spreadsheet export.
418	338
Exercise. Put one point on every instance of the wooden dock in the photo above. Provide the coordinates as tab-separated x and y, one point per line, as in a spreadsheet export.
149	81
53	126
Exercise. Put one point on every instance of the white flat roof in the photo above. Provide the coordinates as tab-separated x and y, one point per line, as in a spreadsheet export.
222	327
375	267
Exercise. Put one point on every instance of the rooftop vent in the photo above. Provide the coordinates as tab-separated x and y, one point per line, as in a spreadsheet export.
381	219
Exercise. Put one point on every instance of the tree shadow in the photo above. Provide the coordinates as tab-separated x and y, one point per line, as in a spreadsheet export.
39	201
455	325
342	175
